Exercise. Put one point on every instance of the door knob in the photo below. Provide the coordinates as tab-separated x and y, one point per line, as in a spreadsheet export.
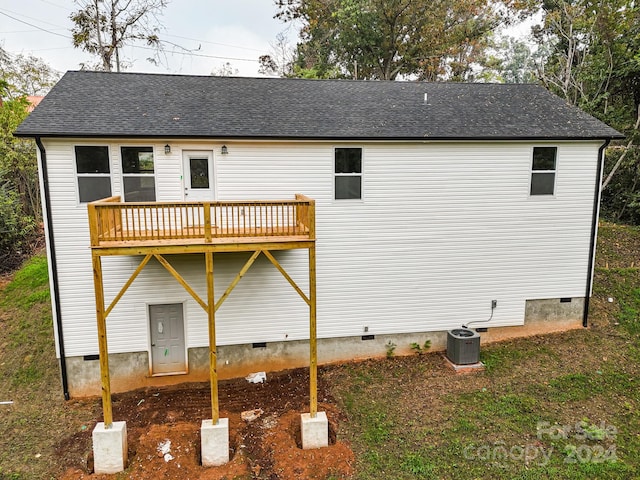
153	344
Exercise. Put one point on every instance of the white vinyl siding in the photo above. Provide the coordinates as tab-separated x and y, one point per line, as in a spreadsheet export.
445	228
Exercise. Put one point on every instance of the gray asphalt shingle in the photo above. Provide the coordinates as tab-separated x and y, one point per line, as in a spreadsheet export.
90	104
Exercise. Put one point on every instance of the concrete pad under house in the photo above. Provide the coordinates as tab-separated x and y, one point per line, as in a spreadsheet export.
110	447
214	443
315	430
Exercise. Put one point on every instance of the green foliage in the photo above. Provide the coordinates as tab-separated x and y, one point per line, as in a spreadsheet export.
418	465
25	75
621	198
420	349
16	229
19	192
378	428
391	348
591	59
389	39
574	387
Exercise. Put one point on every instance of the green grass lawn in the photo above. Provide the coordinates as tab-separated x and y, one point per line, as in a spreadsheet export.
562	406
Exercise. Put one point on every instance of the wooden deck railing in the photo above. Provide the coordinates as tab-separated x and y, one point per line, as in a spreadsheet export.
111	220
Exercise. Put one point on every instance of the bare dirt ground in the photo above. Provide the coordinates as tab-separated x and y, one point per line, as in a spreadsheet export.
266	448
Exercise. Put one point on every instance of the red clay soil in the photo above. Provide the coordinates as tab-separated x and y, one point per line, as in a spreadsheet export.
266	448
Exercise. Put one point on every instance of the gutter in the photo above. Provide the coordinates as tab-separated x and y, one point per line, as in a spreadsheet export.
54	267
594	229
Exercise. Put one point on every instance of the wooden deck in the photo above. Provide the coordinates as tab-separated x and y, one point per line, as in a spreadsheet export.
187	227
156	228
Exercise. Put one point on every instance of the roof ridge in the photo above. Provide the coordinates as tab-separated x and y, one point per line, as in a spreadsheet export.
298	79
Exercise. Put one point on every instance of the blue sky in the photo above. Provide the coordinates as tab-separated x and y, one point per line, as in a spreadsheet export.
219	31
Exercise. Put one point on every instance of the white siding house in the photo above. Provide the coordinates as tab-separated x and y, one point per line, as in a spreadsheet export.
501	205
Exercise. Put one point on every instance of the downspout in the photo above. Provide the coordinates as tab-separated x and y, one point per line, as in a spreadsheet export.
594	230
54	269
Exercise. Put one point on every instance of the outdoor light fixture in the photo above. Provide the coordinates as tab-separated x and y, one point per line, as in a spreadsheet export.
224	150
167	149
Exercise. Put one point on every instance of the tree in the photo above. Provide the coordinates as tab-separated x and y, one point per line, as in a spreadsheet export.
19	201
225	70
20	212
25	75
280	60
103	27
387	39
511	60
592	61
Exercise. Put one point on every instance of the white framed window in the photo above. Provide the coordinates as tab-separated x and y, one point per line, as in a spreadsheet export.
348	173
138	174
543	171
93	172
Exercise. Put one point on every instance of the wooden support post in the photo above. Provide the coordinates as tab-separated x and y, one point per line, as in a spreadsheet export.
102	341
213	366
313	346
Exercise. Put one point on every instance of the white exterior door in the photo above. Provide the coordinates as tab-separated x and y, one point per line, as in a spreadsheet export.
168	354
198	176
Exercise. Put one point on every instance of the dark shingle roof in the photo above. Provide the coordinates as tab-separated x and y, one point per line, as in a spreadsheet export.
91	104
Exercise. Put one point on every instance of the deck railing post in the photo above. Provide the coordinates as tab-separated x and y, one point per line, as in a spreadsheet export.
311	218
93	224
207	222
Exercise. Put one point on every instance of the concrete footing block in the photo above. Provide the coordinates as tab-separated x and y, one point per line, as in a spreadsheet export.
315	430
110	447
214	442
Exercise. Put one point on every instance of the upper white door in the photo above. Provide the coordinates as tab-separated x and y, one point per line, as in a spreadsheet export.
198	175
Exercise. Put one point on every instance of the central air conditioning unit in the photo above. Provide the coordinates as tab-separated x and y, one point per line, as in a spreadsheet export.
463	346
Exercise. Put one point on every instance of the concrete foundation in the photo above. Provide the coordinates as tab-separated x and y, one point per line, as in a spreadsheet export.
131	370
315	431
110	447
214	442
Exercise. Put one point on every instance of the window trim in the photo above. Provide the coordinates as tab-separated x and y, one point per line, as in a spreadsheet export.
336	174
124	175
90	175
532	172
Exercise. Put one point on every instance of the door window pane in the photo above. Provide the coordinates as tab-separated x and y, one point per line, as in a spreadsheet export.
199	168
